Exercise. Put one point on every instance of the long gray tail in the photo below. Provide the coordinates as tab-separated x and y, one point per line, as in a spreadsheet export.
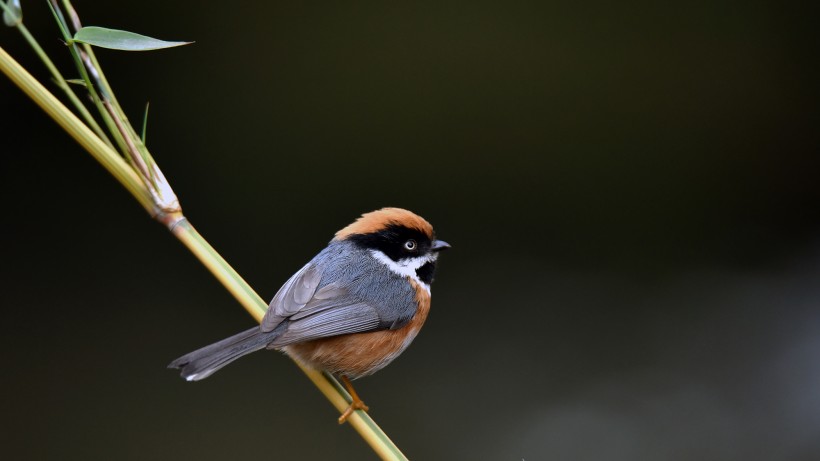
202	363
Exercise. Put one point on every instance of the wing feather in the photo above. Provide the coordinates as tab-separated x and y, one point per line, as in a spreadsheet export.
293	296
330	321
314	312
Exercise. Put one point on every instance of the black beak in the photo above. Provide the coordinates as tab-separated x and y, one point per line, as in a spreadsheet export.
440	245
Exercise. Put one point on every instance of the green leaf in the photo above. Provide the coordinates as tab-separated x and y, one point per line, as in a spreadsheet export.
121	40
12	13
145	123
76	81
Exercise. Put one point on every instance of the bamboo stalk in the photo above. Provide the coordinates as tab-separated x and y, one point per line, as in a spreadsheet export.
61	82
72	125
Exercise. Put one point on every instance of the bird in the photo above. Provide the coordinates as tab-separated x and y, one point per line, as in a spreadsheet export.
350	311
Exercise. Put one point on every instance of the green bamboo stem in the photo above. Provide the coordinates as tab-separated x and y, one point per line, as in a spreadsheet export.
81	68
61	82
187	234
138	154
69	122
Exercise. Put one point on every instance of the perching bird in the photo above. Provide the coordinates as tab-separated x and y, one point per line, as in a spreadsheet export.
351	310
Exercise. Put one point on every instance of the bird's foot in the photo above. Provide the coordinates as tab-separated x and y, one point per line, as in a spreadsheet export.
356	403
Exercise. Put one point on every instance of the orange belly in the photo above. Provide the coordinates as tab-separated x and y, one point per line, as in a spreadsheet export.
360	354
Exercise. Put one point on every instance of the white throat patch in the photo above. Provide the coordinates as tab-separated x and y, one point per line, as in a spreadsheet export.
406	267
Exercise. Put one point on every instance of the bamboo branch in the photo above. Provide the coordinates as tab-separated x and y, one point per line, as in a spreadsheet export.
69	122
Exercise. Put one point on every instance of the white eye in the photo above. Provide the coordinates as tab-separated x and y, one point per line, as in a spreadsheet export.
410	245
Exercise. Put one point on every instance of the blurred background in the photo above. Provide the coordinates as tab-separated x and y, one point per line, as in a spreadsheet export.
630	190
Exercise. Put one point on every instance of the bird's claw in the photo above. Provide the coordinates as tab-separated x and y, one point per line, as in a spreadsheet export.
354	405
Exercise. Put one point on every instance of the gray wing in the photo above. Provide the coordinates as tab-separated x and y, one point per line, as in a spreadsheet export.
293	296
312	312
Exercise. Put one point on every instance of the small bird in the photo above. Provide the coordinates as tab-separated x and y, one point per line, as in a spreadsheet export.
351	310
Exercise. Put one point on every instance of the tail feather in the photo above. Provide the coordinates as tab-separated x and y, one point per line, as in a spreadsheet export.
203	362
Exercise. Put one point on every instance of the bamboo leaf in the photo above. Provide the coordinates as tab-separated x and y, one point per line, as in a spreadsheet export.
121	40
12	13
145	123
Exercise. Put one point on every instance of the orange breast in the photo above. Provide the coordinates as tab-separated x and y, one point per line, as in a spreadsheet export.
360	354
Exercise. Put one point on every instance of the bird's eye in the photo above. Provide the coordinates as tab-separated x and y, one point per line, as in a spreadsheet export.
410	245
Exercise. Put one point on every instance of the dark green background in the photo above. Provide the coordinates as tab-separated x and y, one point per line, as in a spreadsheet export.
630	189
